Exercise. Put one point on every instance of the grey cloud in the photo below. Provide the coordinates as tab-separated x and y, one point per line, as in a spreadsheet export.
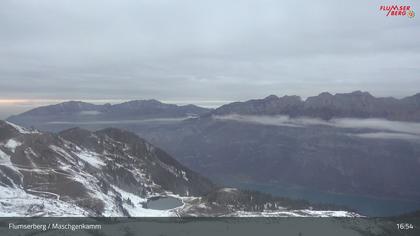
378	124
389	129
385	135
203	50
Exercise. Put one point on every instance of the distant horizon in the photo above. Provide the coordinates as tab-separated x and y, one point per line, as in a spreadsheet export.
9	107
17	106
204	50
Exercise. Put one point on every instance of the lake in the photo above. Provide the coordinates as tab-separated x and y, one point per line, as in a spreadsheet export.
368	206
163	203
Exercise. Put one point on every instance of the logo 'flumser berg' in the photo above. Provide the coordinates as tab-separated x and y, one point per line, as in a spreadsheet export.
411	13
398	10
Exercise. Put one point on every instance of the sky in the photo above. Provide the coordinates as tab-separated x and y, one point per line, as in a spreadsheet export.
206	52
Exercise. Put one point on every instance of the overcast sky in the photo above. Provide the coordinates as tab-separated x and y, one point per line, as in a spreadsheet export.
198	51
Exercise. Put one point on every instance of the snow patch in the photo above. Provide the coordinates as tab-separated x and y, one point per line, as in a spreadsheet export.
184	175
295	213
5	161
4	158
229	190
92	158
15	202
60	151
12	145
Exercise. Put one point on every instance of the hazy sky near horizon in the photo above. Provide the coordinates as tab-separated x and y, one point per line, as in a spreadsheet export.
210	50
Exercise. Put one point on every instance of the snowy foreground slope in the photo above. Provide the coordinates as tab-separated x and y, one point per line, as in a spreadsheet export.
115	173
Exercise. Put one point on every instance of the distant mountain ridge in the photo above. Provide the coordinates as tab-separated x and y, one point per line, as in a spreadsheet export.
135	107
374	160
77	111
326	106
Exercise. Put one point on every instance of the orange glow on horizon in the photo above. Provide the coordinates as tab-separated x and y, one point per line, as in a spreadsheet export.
42	102
13	101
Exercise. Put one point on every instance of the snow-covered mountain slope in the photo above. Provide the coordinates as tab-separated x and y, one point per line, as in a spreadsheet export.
113	173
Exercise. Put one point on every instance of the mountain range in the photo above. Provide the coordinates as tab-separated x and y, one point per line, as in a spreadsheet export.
351	144
77	111
327	106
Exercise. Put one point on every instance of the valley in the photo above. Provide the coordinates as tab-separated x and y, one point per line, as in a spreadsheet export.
346	149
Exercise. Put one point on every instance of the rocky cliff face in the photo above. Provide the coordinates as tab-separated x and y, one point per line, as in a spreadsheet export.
326	106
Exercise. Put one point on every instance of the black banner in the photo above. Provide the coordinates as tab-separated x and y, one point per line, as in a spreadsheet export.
211	226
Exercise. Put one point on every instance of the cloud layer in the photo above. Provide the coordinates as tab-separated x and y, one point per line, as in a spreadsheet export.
366	128
201	50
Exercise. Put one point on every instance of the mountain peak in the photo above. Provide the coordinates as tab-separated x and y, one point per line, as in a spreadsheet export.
271	97
147	101
76	105
361	94
325	94
73	102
